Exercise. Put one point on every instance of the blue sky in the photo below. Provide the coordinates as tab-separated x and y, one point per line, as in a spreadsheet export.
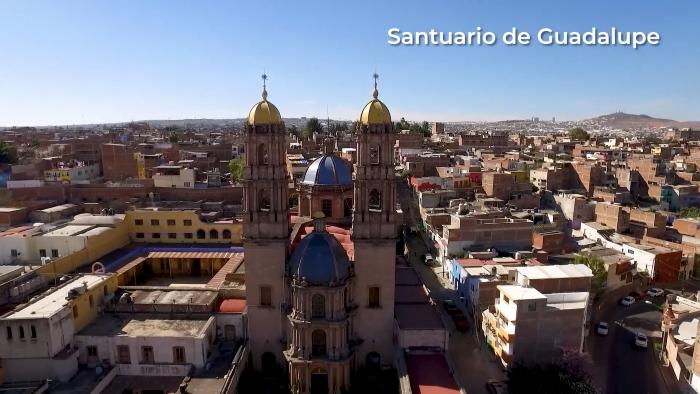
67	62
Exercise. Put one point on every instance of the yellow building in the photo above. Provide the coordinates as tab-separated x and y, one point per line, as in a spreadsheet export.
160	226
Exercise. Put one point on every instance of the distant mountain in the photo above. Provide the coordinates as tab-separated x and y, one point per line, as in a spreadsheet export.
623	120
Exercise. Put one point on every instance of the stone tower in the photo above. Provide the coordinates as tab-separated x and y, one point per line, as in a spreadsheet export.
374	232
265	232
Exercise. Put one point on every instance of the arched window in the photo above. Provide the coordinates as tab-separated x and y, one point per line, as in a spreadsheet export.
33	332
226	234
375	200
262	154
264	200
21	332
201	234
347	207
327	207
213	234
318	343
318	306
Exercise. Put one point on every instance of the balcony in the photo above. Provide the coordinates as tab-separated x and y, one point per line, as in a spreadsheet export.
508	310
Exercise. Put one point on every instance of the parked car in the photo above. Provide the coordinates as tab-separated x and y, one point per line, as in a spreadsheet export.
602	328
640	340
428	259
655	292
627	301
494	386
636	295
450	307
461	322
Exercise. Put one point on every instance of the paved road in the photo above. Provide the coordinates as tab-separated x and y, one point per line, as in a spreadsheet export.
619	366
474	363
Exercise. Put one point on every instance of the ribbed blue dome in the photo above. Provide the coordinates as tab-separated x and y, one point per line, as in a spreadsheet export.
320	259
328	170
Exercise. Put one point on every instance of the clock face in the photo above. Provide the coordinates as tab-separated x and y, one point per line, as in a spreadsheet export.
374	155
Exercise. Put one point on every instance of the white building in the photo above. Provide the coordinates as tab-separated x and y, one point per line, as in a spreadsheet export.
175	176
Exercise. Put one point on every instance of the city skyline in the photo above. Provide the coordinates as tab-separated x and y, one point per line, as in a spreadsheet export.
82	63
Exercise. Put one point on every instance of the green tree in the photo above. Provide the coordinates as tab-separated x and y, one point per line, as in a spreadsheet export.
8	153
579	134
294	130
313	126
236	168
597	266
690	212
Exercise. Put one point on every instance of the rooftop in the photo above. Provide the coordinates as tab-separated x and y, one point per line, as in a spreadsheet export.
517	293
145	326
556	271
54	301
417	317
430	374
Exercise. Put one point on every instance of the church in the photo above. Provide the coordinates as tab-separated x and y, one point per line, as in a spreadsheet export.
320	284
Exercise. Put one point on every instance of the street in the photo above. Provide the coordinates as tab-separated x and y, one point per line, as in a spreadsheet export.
618	365
474	363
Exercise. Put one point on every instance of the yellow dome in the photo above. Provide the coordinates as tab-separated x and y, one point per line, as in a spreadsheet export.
264	112
375	112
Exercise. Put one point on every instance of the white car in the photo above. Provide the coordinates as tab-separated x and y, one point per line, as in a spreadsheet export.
640	340
654	292
428	259
602	328
627	301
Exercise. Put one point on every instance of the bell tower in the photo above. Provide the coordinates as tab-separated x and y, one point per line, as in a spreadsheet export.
374	230
265	231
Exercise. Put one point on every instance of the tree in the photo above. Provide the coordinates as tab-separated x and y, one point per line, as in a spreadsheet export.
690	212
294	130
236	168
8	153
579	134
313	126
547	379
600	272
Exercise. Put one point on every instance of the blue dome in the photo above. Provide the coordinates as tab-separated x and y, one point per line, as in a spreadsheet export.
328	170
320	259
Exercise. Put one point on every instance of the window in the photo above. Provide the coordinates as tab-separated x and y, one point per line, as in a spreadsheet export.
213	234
374	154
265	296
139	235
327	208
531	307
172	235
54	252
155	235
139	222
155	222
226	234
42	252
188	235
13	252
201	234
147	355
171	222
373	297
187	222
506	299
262	154
75	311
123	354
318	306
178	355
185	184
375	200
263	200
91	351
9	333
318	343
91	299
21	332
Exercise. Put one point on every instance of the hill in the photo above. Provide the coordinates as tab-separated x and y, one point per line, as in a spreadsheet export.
623	120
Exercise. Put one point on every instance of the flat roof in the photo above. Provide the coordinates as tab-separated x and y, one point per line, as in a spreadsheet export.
417	317
556	271
430	374
145	326
58	208
567	301
410	295
54	301
10	209
69	230
515	292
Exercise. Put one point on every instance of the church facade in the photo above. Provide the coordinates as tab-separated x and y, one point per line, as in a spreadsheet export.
320	291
